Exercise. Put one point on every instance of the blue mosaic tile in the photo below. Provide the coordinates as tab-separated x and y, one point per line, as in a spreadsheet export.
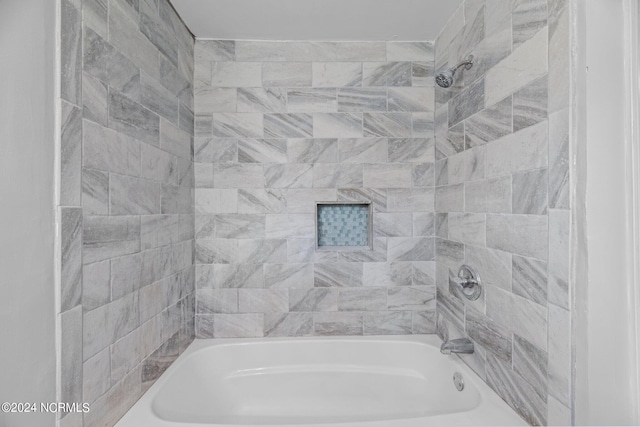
343	225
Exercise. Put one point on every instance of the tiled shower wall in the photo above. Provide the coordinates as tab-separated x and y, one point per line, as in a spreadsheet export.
502	198
281	126
126	203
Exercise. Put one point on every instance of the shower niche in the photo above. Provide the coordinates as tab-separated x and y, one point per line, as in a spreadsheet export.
343	226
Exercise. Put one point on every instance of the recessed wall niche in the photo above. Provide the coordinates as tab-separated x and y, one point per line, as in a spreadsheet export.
343	226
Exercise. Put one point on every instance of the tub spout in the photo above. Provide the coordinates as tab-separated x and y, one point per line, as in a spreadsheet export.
460	345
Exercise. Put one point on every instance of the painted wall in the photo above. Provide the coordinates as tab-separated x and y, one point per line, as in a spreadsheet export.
126	201
502	199
283	125
27	224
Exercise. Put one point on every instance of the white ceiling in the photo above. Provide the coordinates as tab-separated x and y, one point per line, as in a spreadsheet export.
316	19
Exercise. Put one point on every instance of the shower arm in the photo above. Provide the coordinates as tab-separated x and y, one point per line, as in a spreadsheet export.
467	63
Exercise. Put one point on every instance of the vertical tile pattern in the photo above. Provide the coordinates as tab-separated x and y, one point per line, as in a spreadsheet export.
339	121
125	207
506	209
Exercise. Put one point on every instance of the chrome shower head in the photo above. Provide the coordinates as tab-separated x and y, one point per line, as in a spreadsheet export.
445	78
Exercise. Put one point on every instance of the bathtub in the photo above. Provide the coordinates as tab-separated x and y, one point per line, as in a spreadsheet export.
318	381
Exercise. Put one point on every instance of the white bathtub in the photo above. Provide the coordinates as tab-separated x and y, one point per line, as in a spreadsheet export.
330	382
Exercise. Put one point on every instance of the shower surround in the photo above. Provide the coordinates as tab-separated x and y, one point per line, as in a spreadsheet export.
281	126
125	202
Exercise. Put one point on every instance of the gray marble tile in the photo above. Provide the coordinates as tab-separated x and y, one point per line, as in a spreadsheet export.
337	74
96	376
288	176
365	255
286	226
530	279
559	257
423	224
424	322
158	99
108	237
302	200
384	274
176	82
238	276
377	197
294	125
531	363
496	45
491	195
530	104
361	99
238	125
158	165
312	150
410	51
312	100
466	166
422	74
514	390
557	413
441	170
156	264
415	99
386	74
387	124
238	176
263	300
422	125
530	192
559	166
451	309
394	175
262	150
410	200
449	254
423	175
203	125
559	363
411	249
70	155
412	298
338	274
215	50
159	230
423	273
249	50
337	125
525	235
94	100
288	276
490	335
467	228
158	33
330	175
388	323
71	349
254	201
362	299
360	51
106	150
451	141
393	224
268	100
528	17
96	285
216	251
559	58
239	226
126	275
473	31
125	355
489	124
205	226
95	14
442	225
494	267
238	325
340	323
262	251
450	198
71	257
310	51
216	150
288	324
313	300
470	101
413	150
214	201
71	52
133	119
227	100
187	118
289	74
129	195
236	74
204	325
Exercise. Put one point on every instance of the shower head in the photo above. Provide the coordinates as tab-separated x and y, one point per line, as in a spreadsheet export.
445	78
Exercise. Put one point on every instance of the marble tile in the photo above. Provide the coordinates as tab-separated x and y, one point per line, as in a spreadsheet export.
422	74
387	175
384	274
216	251
345	175
203	125
410	200
423	175
521	316
160	35
71	257
108	237
531	363
70	155
294	125
442	225
527	63
302	200
96	287
288	324
262	150
524	150
335	323
290	226
387	124
362	299
336	74
514	390
490	196
410	51
249	50
366	254
423	273
557	413
262	251
377	197
312	100
530	192
158	99
289	176
388	323
422	125
559	58
187	118
204	325
225	100
489	124
423	224
71	374
467	228
450	198
133	119
468	102
204	226
361	99
494	267
338	125
414	99
338	274
253	201
288	276
215	50
158	165
559	167
530	104
238	125
413	150
126	275
313	300
268	100
315	150
451	309
412	298
129	195
94	100
360	51
466	166
310	51
239	226
236	74
528	17
214	201
263	300
386	74
559	364
289	74
411	249
96	376
530	279
95	16
238	276
238	176
559	257
392	224
525	235
238	325
451	141
493	337
424	322
452	28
